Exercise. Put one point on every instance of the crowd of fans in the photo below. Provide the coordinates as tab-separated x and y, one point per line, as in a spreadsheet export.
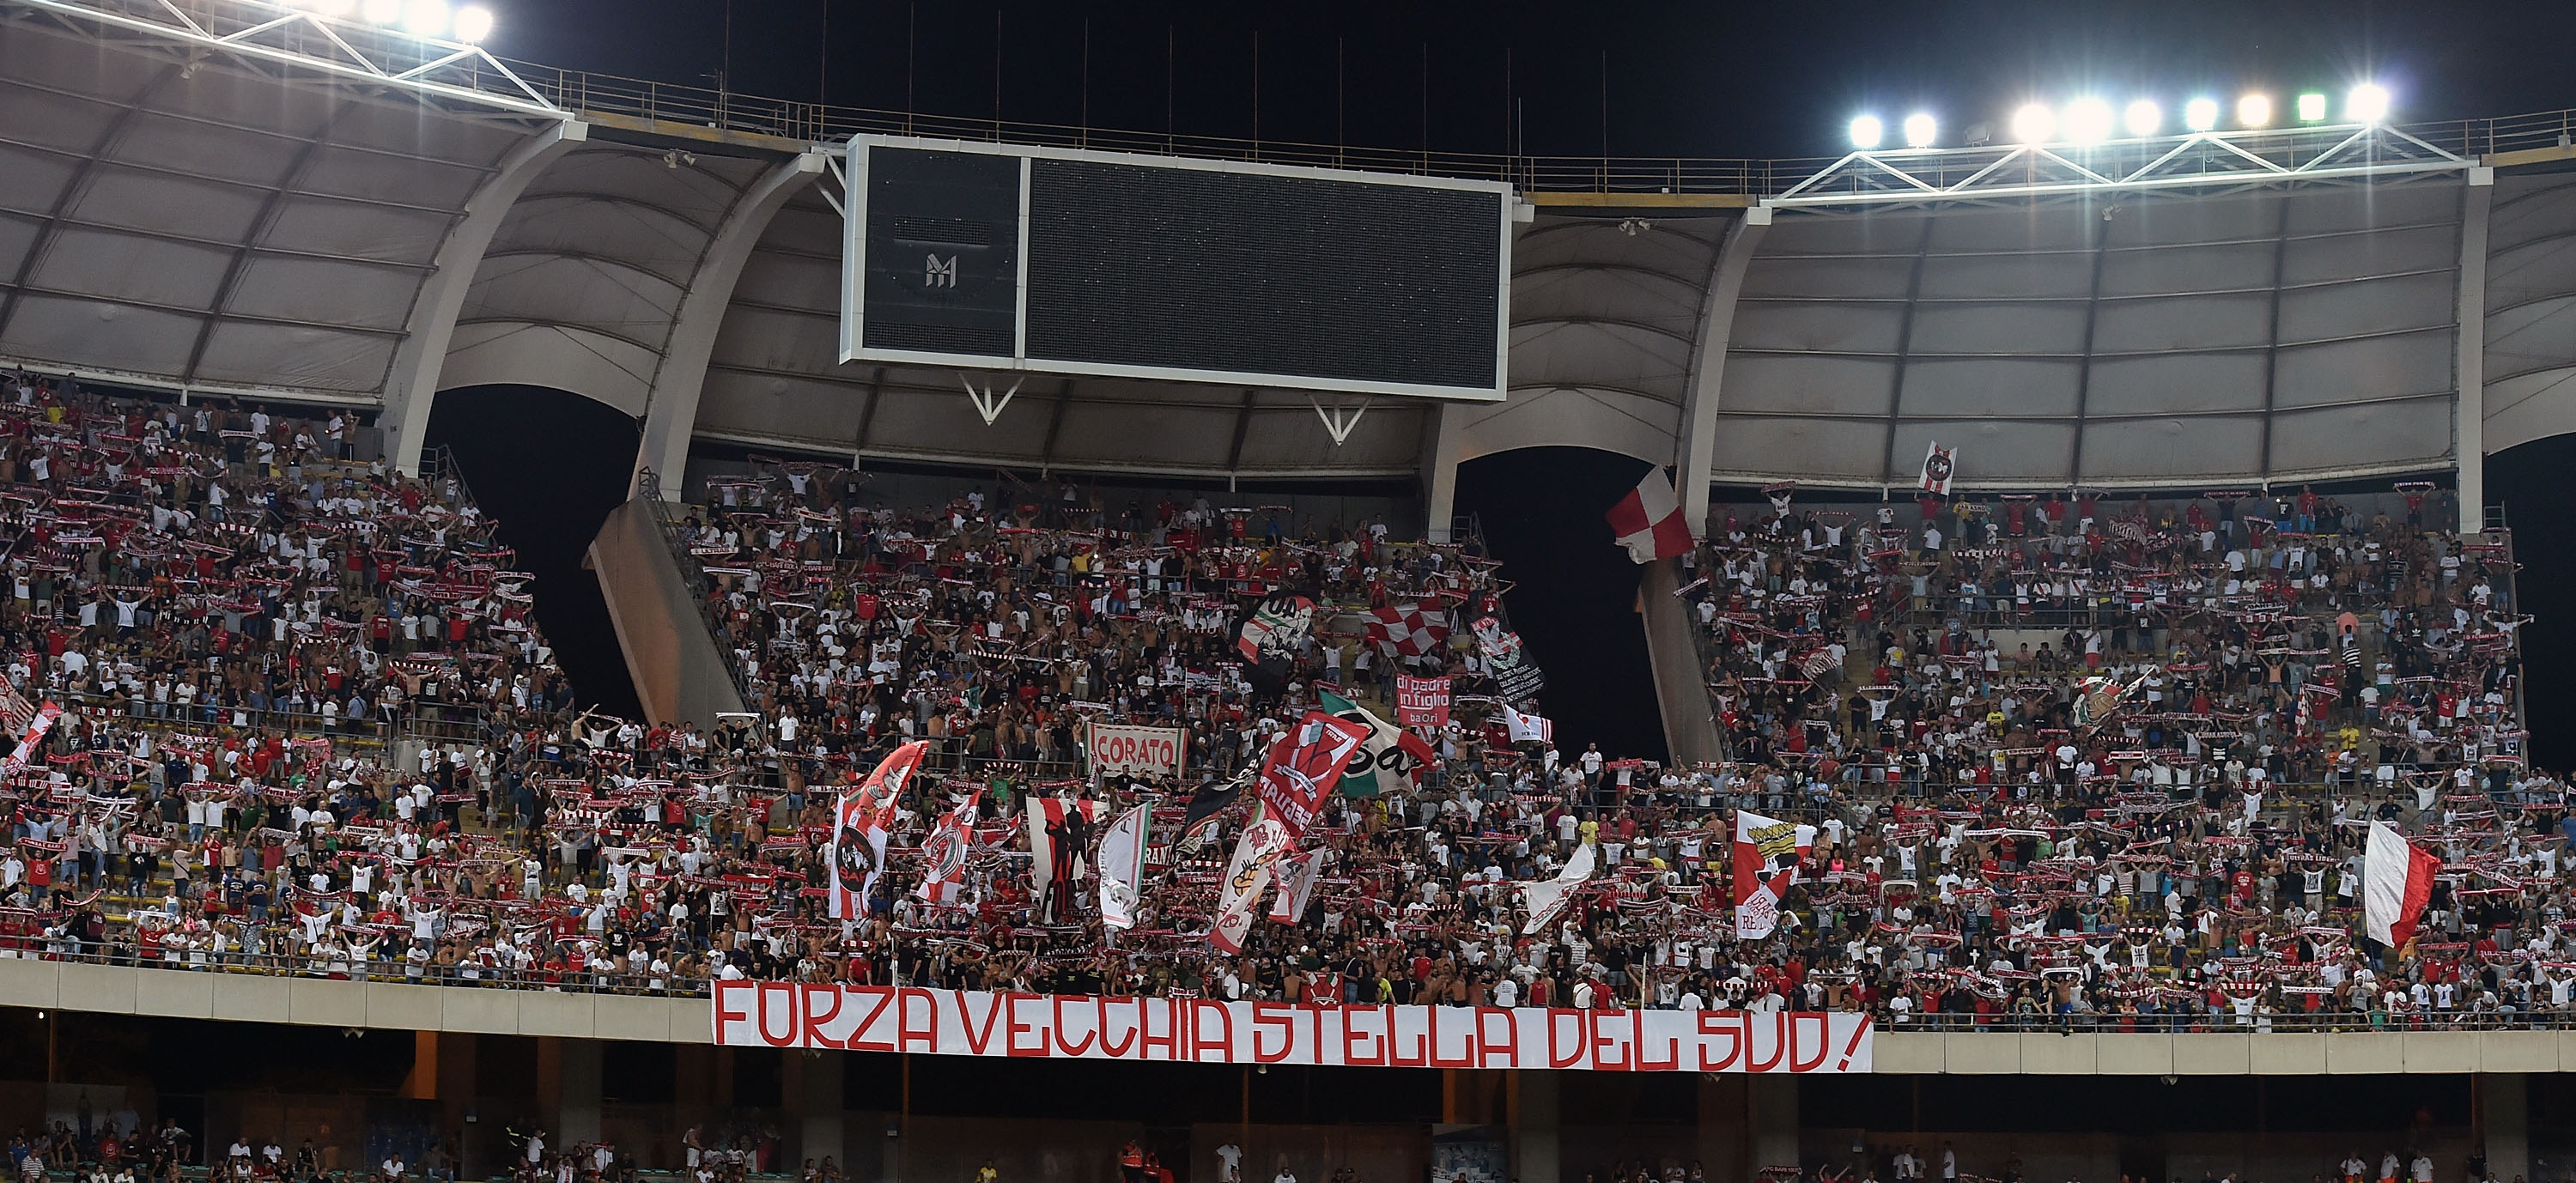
2068	762
2087	762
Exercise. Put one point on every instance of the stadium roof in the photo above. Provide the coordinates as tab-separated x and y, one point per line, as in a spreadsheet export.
192	216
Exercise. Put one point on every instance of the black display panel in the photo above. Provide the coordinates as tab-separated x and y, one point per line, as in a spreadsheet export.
943	251
1136	265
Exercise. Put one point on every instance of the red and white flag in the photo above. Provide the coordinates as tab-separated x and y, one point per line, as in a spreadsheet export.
1938	465
2396	879
943	854
1407	629
1648	521
1304	765
1297	879
859	824
1767	854
1247	875
1421	702
1527	728
36	729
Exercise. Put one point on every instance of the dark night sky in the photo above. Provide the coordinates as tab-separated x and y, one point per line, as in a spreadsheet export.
1684	79
1655	80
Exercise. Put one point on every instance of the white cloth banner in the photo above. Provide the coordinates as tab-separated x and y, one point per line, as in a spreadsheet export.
1118	749
1210	1031
1122	867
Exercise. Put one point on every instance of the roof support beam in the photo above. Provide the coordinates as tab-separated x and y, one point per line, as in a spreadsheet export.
1696	454
868	417
2084	364
1242	430
412	384
2272	339
2468	356
1904	347
1055	427
671	406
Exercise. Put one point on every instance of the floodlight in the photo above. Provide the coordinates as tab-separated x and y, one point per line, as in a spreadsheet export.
1866	132
2034	123
382	12
2254	110
2088	121
2200	114
426	18
2142	118
473	23
1918	130
2368	103
2312	108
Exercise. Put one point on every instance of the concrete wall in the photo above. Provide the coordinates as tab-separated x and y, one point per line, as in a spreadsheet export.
679	674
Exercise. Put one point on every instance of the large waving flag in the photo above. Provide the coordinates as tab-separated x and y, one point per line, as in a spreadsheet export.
2396	879
1767	854
1648	521
859	824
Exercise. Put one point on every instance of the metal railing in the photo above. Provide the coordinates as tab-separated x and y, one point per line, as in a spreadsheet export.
722	109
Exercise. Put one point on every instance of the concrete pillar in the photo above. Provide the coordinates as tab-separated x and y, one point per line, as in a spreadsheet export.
578	1087
422	354
456	1100
2504	1117
810	1085
1536	1115
2469	423
1770	1123
1696	449
1442	442
1721	1146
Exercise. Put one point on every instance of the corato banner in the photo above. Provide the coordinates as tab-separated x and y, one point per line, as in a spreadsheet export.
1208	1031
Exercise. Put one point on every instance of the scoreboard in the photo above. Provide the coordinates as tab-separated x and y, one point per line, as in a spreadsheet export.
997	256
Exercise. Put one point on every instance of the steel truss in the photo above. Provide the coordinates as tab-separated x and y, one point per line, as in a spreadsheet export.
264	32
2200	160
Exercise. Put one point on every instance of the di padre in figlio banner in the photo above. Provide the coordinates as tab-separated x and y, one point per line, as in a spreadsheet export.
1209	1031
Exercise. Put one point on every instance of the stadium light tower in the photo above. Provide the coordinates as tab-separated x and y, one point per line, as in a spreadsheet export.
2254	110
473	24
2312	107
2088	121
2142	118
382	12
1919	130
2200	114
2034	123
1866	132
2368	103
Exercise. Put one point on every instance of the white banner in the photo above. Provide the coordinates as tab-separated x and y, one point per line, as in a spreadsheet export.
1209	1031
1120	749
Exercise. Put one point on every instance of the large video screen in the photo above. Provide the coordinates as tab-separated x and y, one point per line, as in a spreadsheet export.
995	256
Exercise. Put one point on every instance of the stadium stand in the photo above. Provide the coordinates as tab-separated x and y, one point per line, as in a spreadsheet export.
221	793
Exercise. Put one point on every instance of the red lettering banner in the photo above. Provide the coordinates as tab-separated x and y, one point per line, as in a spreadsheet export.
1208	1031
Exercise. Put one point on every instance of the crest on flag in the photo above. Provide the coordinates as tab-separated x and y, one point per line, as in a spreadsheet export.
943	854
1939	464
